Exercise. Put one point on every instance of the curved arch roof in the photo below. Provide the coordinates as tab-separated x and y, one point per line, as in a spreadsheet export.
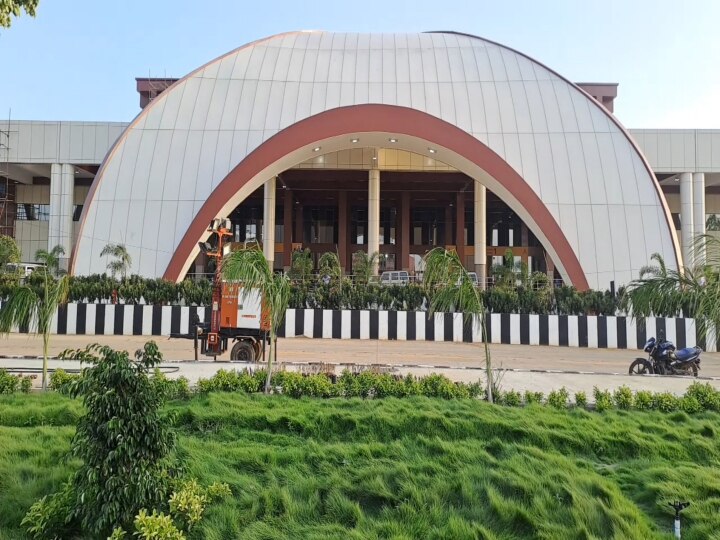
571	152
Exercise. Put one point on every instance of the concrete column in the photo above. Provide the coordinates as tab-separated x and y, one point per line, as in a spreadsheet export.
480	219
373	240
699	214
460	225
342	228
550	268
299	225
269	221
448	239
405	227
687	223
62	186
287	229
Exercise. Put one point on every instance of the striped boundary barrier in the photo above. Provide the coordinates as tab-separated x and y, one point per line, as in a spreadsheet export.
559	330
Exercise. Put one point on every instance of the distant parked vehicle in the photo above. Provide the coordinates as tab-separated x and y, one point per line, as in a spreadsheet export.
396	277
24	269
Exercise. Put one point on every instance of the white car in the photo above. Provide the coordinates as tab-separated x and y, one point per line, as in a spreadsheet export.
396	277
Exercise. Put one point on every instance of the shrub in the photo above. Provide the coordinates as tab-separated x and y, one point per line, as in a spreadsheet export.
435	385
581	399
705	394
8	383
533	397
61	380
603	399
690	404
623	398
171	388
156	526
26	384
511	398
666	402
559	398
48	517
643	400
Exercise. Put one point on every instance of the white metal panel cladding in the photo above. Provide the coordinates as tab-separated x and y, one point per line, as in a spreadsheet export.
561	141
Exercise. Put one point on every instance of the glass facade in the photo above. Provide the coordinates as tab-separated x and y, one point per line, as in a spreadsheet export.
32	212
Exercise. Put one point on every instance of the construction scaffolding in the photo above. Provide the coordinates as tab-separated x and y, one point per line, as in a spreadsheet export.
7	186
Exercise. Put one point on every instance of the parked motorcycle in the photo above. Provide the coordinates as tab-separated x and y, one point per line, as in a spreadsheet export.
665	359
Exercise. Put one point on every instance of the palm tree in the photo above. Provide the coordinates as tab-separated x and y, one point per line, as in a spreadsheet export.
712	223
505	275
364	266
329	265
28	308
693	291
301	265
250	267
449	289
659	270
51	259
121	262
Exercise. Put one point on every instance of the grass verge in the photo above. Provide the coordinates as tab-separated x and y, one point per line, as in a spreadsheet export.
404	468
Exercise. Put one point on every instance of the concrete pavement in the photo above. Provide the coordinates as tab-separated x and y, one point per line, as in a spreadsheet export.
459	361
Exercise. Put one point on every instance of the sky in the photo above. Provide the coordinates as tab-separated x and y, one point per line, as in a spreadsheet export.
78	59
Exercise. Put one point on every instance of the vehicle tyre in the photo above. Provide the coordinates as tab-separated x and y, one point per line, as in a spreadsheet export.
257	348
640	366
242	351
695	369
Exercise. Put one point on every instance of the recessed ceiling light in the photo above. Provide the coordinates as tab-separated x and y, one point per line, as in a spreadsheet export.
354	140
392	139
432	150
316	149
374	158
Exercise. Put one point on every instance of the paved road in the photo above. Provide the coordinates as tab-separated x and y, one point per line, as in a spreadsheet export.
459	361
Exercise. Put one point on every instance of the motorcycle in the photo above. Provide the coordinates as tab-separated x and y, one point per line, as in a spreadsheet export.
665	359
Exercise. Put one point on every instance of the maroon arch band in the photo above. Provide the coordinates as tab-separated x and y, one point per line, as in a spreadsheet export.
382	118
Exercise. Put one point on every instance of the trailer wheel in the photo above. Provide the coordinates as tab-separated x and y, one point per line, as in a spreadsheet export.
242	351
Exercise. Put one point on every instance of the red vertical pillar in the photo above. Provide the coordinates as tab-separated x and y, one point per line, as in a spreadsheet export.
404	225
448	225
460	226
287	228
298	236
342	228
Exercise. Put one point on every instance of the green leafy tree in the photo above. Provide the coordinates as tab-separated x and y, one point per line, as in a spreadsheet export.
364	266
301	265
250	267
123	440
9	251
121	261
51	259
450	289
712	223
329	265
506	275
29	308
13	8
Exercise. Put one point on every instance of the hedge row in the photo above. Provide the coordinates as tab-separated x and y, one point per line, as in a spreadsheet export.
698	397
341	294
412	297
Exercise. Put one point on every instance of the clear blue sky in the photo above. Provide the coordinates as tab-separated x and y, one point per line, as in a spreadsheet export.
77	59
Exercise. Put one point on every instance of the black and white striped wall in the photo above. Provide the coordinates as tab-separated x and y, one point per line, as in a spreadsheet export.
558	330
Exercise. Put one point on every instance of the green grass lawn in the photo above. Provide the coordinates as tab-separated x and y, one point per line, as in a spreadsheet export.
404	468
